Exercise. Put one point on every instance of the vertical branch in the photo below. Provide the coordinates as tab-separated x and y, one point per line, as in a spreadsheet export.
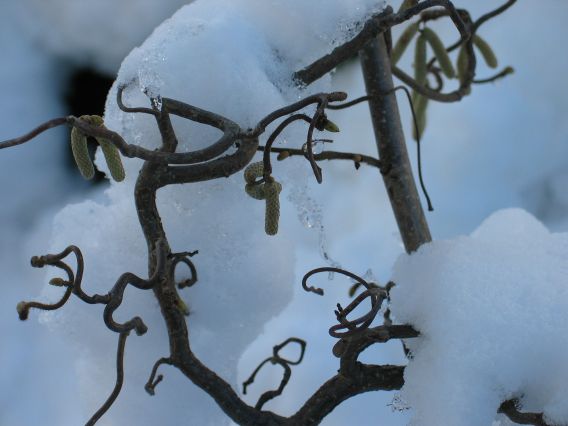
397	173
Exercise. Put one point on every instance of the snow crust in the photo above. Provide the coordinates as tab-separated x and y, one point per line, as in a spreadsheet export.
491	309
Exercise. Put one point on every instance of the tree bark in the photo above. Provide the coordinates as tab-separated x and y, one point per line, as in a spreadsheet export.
397	172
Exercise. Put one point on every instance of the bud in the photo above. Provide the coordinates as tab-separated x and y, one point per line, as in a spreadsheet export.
330	126
57	282
23	310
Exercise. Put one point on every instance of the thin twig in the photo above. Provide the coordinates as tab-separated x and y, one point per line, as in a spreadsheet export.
153	381
119	381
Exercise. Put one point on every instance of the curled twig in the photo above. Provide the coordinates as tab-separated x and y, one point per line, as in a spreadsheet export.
184	258
154	379
284	363
320	291
377	296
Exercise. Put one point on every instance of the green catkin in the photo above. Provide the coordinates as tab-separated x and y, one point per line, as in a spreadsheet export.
420	104
272	214
268	191
254	171
406	4
486	51
113	160
255	191
81	153
403	42
463	63
440	52
420	60
330	126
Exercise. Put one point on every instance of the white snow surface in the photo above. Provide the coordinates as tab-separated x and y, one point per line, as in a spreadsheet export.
94	33
215	55
491	309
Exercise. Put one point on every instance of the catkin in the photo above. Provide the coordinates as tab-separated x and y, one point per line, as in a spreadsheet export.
463	63
81	153
330	126
112	157
440	52
420	104
420	60
272	214
254	171
255	191
268	191
406	4
403	42
486	51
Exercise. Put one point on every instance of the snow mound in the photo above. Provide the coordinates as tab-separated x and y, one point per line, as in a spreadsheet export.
94	33
492	310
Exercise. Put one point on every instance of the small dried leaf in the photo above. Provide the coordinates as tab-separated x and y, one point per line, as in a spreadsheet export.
282	155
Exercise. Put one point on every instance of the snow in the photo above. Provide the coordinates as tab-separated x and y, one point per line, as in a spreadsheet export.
503	146
98	34
491	310
245	277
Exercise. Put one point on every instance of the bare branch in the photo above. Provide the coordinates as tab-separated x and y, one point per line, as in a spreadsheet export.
329	155
37	131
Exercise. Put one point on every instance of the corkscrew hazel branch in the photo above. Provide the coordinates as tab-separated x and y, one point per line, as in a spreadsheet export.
284	363
155	379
